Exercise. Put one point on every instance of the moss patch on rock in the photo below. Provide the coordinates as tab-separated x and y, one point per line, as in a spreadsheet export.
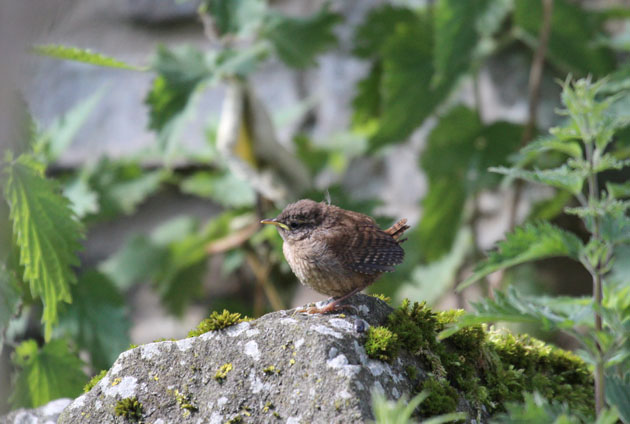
129	408
487	367
217	321
94	381
381	343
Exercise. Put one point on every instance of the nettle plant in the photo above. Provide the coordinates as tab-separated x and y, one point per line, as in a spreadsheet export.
601	324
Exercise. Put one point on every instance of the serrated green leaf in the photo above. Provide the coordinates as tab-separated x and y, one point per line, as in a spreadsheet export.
97	319
298	40
46	233
618	395
552	144
562	177
225	188
179	73
572	43
407	96
550	313
456	36
528	243
51	372
82	55
459	151
237	17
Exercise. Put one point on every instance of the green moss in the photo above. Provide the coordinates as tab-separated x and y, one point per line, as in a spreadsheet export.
94	381
381	296
268	406
217	321
381	343
415	325
271	369
488	368
442	397
184	401
235	420
222	372
412	372
129	408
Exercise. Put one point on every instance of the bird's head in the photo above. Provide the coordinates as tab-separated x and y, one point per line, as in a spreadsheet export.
298	220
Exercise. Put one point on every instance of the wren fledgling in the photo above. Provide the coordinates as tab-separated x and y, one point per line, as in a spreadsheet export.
335	251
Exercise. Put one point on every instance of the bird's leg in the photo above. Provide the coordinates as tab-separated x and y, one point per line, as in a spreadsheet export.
332	306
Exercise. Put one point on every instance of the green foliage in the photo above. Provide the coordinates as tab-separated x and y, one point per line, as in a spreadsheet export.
538	409
113	187
129	408
618	394
173	258
442	397
225	188
97	319
46	373
45	232
571	43
407	58
381	344
298	40
551	313
401	411
217	321
179	73
562	177
81	55
10	299
52	142
94	381
457	35
459	150
235	17
531	242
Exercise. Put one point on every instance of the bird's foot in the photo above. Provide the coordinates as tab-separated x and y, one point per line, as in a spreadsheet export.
333	306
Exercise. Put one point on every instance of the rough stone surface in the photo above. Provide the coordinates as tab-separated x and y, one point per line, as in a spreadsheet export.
45	414
321	373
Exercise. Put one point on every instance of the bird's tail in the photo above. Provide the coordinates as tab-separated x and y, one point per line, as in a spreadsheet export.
397	230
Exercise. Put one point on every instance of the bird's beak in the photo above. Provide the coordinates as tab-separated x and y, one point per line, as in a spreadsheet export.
275	222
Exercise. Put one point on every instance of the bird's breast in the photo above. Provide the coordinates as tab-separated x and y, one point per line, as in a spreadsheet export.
317	267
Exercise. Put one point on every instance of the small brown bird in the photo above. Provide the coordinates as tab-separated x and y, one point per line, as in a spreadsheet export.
335	251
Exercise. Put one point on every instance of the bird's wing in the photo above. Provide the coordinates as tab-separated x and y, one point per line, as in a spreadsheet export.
367	249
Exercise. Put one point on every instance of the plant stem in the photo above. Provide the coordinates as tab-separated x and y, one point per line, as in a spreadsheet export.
596	272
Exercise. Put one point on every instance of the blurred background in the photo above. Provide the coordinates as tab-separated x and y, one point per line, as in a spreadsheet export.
217	114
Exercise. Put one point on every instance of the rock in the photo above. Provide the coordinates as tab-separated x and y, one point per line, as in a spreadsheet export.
292	368
45	414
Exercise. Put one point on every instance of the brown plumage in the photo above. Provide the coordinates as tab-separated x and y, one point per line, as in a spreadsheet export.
335	251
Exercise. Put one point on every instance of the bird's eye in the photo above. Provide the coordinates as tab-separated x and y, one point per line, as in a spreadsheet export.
295	225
